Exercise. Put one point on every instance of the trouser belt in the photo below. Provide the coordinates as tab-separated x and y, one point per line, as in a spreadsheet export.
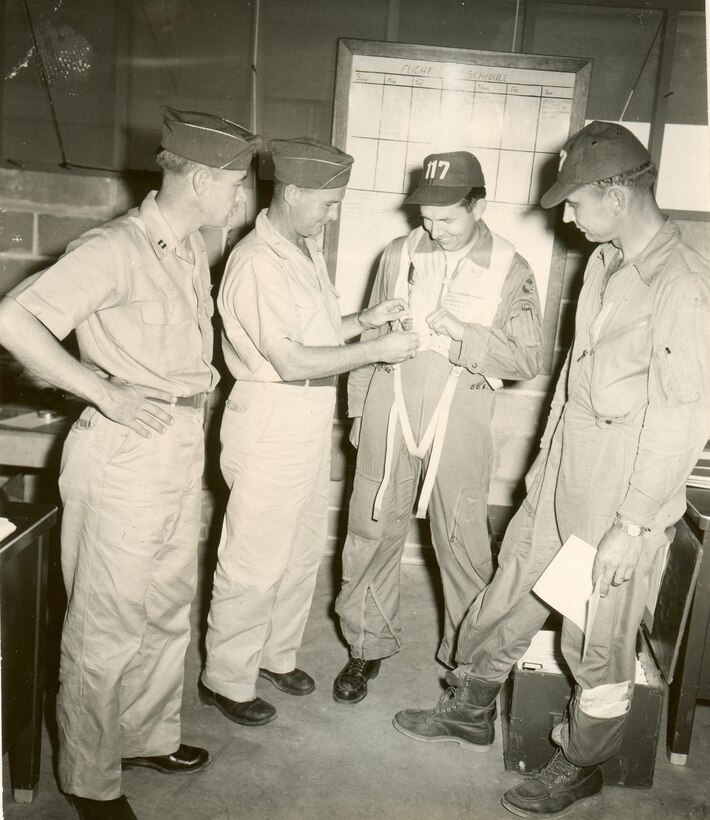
325	381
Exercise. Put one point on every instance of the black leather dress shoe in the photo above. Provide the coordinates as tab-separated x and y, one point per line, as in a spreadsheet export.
249	712
118	809
295	682
186	760
350	685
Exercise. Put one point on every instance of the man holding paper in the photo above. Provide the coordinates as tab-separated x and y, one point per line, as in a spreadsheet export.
628	421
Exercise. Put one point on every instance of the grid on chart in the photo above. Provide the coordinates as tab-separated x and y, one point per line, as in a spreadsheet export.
514	127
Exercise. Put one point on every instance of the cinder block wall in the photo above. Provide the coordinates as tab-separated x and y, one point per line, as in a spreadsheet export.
41	210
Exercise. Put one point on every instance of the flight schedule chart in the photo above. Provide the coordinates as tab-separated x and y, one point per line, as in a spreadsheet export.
512	119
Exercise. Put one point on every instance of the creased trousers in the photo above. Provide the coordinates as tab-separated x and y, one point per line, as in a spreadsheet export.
130	530
276	442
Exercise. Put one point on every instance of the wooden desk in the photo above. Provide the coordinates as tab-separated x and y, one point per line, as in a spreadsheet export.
692	675
23	614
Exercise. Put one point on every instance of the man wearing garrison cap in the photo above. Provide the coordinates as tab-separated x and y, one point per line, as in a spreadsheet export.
137	293
628	422
474	301
284	342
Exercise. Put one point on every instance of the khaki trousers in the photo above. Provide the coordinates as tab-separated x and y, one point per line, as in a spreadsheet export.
130	529
276	442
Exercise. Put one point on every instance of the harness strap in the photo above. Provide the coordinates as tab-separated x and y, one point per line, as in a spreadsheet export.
442	419
433	437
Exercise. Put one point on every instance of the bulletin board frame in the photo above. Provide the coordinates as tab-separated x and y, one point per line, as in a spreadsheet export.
353	245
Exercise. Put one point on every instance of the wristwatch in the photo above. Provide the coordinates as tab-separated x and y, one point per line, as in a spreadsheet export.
628	527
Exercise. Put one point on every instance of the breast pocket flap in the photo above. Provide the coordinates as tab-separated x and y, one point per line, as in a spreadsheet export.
169	312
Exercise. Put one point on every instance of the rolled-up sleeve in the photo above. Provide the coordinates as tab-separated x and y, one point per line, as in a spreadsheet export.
677	420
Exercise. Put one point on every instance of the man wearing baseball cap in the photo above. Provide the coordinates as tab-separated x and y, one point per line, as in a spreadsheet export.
628	421
283	342
137	293
474	302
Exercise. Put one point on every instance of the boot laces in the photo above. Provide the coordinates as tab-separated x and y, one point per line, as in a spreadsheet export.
354	666
558	769
447	701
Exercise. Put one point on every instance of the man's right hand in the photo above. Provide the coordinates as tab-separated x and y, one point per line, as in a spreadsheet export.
396	347
131	406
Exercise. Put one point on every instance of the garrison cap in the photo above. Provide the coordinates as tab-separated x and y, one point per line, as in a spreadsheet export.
309	163
447	178
599	151
208	139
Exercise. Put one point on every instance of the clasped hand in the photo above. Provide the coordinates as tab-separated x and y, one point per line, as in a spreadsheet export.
443	322
385	311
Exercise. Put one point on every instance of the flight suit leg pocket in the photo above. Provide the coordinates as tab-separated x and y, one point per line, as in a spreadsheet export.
470	539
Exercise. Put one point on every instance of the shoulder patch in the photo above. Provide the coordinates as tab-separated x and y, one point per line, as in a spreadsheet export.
528	285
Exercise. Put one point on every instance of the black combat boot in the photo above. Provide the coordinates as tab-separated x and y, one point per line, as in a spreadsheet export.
558	788
464	715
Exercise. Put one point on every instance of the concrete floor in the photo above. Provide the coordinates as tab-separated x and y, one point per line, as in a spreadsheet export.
319	759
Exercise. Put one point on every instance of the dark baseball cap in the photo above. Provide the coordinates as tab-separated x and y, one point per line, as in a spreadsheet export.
446	179
599	151
208	139
309	163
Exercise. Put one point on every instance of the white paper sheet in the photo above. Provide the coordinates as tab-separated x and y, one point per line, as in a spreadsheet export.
566	584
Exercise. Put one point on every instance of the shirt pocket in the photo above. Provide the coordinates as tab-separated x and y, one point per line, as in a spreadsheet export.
165	312
317	317
168	340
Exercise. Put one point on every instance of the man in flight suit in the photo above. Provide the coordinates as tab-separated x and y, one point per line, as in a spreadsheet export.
474	301
137	293
283	342
628	421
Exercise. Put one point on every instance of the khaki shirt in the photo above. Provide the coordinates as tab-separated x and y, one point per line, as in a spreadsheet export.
271	291
140	307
